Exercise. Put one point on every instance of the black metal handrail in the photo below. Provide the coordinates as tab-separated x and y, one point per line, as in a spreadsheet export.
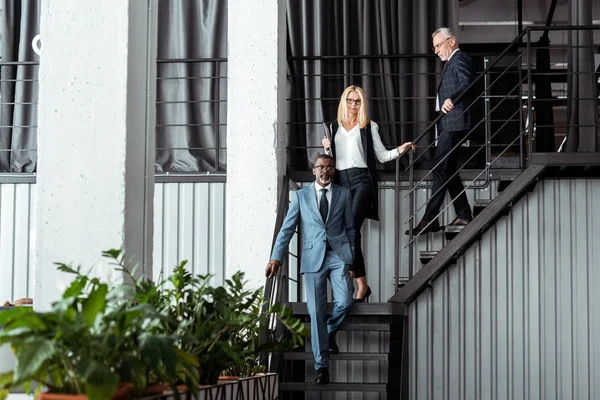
272	288
455	148
276	289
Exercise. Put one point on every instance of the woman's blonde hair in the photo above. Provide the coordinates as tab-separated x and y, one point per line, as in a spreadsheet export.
342	115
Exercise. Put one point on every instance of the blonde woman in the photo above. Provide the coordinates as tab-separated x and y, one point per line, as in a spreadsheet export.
355	143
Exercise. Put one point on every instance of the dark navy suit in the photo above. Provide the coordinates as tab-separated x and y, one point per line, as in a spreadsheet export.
453	127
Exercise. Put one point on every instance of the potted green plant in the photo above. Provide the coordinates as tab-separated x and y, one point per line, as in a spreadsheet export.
89	342
253	351
99	340
221	325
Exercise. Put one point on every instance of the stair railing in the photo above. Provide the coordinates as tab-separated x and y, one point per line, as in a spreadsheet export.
276	289
526	128
412	159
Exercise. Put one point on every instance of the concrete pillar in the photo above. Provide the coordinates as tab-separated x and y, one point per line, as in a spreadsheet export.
95	179
255	139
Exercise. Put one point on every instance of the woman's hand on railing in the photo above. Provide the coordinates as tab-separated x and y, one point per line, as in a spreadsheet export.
272	268
402	148
326	144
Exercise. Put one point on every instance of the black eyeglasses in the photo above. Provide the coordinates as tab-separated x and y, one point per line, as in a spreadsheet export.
437	46
324	167
352	101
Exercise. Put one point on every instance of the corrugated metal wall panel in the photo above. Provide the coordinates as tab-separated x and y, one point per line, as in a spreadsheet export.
515	318
189	224
17	231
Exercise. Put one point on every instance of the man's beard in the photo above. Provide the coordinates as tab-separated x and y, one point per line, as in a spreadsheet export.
324	180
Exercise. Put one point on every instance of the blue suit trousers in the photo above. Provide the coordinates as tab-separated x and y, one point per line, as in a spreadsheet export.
316	298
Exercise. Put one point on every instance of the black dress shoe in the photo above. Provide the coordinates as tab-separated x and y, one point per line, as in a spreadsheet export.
422	228
333	347
322	377
365	297
460	221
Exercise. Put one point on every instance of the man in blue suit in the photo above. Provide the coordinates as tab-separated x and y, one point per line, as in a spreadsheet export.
325	211
453	128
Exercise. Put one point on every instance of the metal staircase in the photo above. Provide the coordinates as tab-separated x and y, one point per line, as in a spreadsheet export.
466	235
385	325
511	186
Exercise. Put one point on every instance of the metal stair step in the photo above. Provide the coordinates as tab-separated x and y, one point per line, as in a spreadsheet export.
450	231
506	179
294	355
333	387
427	256
358	309
479	205
363	326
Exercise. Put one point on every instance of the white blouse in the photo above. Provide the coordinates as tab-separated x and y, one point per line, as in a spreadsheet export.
349	151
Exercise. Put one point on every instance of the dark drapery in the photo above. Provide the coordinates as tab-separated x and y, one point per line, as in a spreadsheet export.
191	95
362	28
18	86
582	106
191	110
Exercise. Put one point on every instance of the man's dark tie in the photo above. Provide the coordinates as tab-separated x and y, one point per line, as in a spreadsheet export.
324	205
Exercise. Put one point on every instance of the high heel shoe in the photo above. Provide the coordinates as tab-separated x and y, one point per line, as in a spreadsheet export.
365	297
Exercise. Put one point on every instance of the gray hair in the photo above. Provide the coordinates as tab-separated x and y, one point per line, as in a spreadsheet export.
447	32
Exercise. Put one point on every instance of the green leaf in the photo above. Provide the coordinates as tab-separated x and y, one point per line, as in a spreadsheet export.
97	378
11	315
158	350
6	379
76	288
95	303
112	253
65	268
31	357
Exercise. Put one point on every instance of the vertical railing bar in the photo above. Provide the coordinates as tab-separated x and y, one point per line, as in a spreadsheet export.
529	95
217	113
411	201
397	227
488	122
521	150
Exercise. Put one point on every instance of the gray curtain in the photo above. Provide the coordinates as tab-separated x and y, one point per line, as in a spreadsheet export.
191	108
362	28
191	95
582	106
18	86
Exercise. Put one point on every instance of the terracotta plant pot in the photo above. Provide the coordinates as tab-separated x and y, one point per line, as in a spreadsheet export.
229	378
157	389
154	390
60	396
123	392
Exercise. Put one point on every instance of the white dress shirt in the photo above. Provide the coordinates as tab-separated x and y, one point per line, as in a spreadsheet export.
349	152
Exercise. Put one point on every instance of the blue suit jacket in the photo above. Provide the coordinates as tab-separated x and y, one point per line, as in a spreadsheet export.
457	75
339	229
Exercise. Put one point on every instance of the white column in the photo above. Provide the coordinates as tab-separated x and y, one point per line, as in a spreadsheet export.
95	179
255	140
